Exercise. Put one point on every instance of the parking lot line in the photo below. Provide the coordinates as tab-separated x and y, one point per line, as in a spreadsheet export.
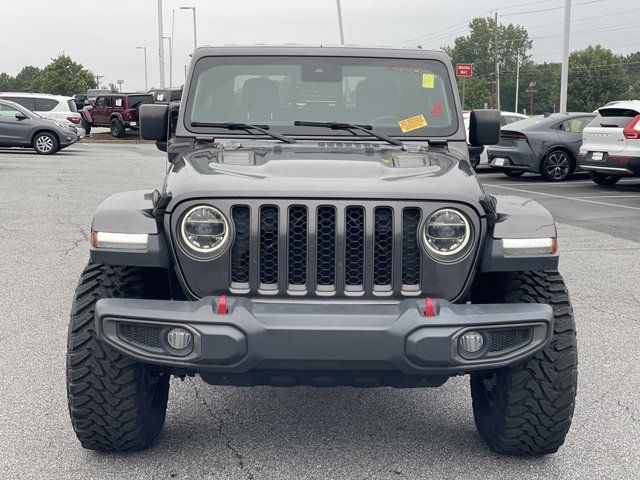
612	196
562	196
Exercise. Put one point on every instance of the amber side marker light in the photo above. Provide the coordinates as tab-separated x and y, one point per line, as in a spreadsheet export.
119	241
530	246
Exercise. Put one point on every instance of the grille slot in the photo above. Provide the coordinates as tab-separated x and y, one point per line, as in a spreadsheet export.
411	255
504	340
269	247
145	336
240	250
298	245
326	247
354	248
383	248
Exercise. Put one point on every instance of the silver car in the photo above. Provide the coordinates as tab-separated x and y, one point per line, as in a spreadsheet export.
20	127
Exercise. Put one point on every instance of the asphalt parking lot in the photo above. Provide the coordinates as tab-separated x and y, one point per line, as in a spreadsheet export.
214	432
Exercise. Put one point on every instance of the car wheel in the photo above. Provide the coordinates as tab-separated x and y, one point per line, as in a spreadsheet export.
604	178
87	126
513	173
115	403
527	408
556	166
117	128
45	143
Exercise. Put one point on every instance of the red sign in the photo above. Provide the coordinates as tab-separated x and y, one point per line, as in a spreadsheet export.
464	70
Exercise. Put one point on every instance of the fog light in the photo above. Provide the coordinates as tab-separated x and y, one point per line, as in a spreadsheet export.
179	338
472	342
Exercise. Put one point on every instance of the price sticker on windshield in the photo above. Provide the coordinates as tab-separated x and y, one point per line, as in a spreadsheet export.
412	123
428	80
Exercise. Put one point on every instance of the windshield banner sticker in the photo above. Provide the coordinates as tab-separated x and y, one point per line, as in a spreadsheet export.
428	80
412	123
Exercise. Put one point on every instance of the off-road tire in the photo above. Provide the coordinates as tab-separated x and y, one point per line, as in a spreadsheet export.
87	126
117	128
605	179
115	403
45	143
526	409
513	173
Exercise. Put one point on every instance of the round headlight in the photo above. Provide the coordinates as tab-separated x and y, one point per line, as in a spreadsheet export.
205	230
447	232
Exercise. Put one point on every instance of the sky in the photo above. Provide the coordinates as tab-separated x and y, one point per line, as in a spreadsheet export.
103	34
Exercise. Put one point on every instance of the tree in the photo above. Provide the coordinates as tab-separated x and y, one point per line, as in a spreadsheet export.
63	76
7	83
632	64
596	76
479	48
29	79
113	88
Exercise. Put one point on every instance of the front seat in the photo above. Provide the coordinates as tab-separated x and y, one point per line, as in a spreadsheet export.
376	97
260	99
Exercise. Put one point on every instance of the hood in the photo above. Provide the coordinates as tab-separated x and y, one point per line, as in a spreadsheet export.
297	172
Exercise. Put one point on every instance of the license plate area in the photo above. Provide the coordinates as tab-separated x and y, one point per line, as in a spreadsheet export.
597	156
500	162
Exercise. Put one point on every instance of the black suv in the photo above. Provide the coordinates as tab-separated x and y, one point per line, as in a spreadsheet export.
320	224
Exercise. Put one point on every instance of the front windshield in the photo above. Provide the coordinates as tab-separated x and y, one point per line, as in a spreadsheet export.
399	97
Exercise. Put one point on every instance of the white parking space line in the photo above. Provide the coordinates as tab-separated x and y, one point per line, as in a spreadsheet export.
612	196
563	197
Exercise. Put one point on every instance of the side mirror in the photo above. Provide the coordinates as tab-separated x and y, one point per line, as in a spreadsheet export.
154	122
21	116
484	127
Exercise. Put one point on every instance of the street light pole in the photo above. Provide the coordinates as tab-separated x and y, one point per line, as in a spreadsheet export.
340	22
160	44
195	34
170	61
517	82
564	78
146	76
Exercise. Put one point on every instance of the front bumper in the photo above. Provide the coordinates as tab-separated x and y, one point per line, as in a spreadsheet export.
337	336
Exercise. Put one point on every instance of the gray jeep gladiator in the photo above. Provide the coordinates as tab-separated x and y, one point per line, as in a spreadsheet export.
320	224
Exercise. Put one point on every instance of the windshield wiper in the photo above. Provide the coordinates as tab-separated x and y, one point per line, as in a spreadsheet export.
247	127
351	126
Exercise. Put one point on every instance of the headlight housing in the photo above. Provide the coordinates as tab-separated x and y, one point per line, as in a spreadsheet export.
446	232
205	230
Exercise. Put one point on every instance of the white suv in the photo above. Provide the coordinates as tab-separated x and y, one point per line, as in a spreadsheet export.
54	107
611	143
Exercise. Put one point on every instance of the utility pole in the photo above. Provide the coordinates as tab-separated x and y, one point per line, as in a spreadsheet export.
564	78
170	61
340	22
160	44
195	35
98	77
498	66
517	82
146	75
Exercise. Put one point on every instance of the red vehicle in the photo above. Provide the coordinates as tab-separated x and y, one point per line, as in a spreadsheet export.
118	111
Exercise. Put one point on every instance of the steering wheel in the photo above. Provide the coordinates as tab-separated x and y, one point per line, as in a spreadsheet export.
386	117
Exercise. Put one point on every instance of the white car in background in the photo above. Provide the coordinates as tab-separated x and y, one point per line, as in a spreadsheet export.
611	143
505	119
54	107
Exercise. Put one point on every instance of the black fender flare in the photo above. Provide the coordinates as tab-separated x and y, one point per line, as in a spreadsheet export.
518	217
130	212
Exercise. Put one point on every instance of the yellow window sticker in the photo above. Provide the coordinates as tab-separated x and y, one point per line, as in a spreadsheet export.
428	80
412	123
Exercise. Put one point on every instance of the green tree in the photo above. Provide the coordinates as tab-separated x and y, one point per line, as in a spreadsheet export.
632	65
29	79
114	88
596	76
479	48
7	83
63	76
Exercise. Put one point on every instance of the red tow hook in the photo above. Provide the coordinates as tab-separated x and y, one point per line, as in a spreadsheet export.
222	305
429	309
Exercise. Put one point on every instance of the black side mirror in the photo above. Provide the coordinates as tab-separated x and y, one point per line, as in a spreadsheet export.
154	122
484	127
21	116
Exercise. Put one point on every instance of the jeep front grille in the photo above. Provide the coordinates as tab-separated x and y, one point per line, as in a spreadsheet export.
307	248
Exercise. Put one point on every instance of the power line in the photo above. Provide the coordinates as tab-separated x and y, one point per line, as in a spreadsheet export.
549	9
585	18
593	30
